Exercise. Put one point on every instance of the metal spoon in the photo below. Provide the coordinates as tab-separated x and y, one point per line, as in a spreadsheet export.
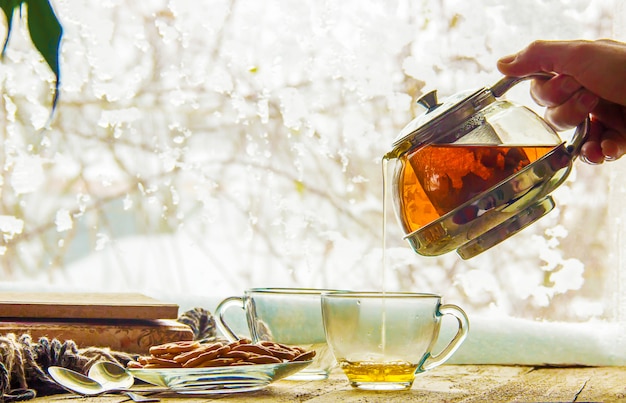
114	377
84	385
111	375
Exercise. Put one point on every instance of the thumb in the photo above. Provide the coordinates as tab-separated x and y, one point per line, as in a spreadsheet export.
540	56
510	65
596	65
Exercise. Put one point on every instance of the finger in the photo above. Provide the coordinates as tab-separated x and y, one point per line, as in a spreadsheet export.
591	153
555	91
613	145
591	150
573	112
611	116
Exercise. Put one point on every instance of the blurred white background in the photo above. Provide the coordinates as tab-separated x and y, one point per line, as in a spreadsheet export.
201	148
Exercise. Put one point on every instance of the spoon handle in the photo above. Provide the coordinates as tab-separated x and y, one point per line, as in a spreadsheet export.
140	398
208	387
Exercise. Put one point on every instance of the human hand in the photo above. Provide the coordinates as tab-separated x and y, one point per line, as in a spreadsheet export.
590	81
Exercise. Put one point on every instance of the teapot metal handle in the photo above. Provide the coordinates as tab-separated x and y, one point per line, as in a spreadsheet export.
582	130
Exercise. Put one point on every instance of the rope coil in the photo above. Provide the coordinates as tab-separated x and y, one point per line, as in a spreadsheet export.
24	363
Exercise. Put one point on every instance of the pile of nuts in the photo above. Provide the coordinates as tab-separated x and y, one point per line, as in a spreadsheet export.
193	354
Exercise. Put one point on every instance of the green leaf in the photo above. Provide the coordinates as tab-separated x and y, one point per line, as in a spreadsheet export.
45	32
9	6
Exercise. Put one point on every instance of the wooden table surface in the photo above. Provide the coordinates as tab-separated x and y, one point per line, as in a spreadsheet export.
448	383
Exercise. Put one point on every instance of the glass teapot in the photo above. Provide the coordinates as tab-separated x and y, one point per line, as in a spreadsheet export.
476	169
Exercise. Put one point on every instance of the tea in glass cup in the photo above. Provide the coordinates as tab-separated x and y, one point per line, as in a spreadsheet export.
381	340
291	316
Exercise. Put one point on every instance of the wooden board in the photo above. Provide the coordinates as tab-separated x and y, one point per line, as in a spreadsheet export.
84	306
130	336
444	384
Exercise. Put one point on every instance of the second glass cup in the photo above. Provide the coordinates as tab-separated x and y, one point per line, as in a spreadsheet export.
382	340
291	316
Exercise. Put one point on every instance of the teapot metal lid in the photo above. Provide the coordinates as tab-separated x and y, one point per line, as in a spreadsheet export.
461	109
440	118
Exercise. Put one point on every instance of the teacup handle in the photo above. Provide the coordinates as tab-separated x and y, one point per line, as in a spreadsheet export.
432	361
582	130
220	311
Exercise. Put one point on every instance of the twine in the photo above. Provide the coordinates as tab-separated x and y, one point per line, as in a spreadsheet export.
24	364
201	322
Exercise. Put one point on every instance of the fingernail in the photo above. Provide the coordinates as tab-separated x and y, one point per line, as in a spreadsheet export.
508	59
610	149
584	158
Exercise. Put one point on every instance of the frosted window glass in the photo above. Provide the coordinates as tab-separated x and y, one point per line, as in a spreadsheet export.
201	150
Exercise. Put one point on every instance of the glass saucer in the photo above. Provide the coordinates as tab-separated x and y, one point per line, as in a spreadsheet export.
214	380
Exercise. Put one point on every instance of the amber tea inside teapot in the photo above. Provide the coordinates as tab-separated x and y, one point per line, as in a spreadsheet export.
475	169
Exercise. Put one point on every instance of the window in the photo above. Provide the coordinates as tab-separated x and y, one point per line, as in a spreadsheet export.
203	150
